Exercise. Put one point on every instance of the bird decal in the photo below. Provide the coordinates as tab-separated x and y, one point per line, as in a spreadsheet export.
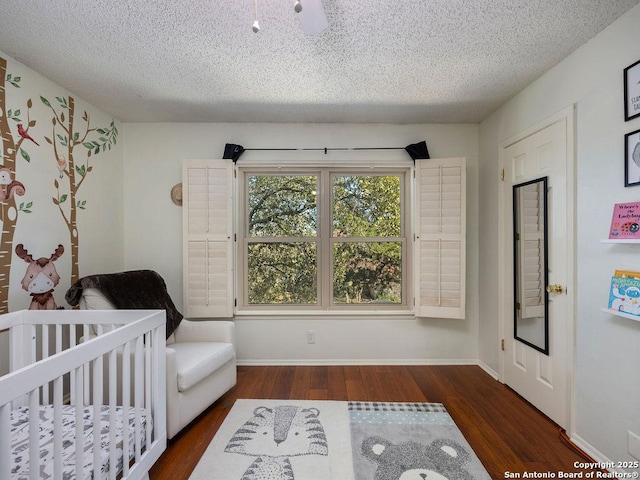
24	134
62	164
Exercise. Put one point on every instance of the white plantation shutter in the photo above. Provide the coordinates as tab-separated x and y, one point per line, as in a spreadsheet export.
531	232
207	219
440	237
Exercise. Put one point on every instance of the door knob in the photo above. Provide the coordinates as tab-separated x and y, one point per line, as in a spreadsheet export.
555	288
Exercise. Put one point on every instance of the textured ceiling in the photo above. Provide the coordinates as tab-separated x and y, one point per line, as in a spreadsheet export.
401	61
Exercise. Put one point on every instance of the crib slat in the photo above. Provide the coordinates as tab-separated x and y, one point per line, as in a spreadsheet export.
5	441
79	374
126	402
58	338
139	376
113	390
97	404
34	436
72	378
32	349
57	428
45	354
87	383
147	387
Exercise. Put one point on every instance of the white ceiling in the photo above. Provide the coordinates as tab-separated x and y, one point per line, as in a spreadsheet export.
401	61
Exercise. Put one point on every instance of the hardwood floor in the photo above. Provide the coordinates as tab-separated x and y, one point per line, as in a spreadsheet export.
507	433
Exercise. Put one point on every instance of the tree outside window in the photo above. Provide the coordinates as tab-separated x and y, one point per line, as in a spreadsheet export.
303	229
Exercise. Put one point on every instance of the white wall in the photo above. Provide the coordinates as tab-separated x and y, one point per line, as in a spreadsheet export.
152	158
607	393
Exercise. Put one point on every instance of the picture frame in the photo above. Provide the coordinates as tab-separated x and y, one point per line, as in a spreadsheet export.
632	91
632	159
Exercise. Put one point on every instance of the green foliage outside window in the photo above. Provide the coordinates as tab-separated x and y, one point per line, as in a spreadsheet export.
284	254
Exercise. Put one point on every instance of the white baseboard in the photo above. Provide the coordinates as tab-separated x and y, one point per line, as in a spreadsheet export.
590	450
356	361
489	370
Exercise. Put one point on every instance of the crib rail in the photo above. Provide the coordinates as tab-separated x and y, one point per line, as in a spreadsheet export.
103	361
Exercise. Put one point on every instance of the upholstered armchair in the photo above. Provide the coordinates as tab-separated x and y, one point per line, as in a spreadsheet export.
201	355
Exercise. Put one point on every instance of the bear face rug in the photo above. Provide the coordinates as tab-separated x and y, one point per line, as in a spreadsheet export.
329	440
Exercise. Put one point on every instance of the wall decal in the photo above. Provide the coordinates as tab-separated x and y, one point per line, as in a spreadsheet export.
40	278
73	163
9	186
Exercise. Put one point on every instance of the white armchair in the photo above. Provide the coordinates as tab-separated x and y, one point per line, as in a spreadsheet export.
201	367
201	360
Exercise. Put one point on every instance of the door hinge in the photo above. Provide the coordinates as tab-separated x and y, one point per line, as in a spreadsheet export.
502	175
502	344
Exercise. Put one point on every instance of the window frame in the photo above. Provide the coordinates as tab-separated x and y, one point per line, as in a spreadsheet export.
324	239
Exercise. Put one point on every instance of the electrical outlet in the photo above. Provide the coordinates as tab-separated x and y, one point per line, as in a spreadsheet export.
633	445
311	336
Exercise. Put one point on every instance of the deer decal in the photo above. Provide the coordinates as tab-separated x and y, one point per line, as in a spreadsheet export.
40	278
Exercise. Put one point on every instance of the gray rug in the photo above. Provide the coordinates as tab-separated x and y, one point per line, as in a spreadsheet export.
328	440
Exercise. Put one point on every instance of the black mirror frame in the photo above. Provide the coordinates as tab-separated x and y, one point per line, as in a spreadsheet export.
545	348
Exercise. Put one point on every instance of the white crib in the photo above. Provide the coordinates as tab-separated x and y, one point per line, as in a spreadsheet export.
60	390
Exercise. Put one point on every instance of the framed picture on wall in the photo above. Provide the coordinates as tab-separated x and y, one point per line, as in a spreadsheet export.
632	91
632	159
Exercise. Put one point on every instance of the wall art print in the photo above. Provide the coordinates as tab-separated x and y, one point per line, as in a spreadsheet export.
632	159
632	91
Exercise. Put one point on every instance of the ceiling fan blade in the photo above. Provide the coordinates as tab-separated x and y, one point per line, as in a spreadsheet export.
312	17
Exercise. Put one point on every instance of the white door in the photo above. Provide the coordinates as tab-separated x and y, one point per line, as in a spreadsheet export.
543	379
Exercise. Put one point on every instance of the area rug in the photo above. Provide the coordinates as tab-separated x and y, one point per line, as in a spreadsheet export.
329	440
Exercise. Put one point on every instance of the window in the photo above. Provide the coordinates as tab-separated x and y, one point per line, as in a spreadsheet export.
281	247
324	239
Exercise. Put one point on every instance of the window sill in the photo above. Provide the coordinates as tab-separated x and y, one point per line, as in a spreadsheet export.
286	314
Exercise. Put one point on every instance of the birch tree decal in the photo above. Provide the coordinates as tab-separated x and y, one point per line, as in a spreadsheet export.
73	148
9	186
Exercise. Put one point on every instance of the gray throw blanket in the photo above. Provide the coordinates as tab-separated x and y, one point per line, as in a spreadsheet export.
134	290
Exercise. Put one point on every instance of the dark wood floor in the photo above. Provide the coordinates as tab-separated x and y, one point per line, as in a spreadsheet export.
506	432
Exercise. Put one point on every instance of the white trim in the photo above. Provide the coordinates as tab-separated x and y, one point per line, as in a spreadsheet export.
355	362
323	163
316	314
567	114
490	371
590	450
324	241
